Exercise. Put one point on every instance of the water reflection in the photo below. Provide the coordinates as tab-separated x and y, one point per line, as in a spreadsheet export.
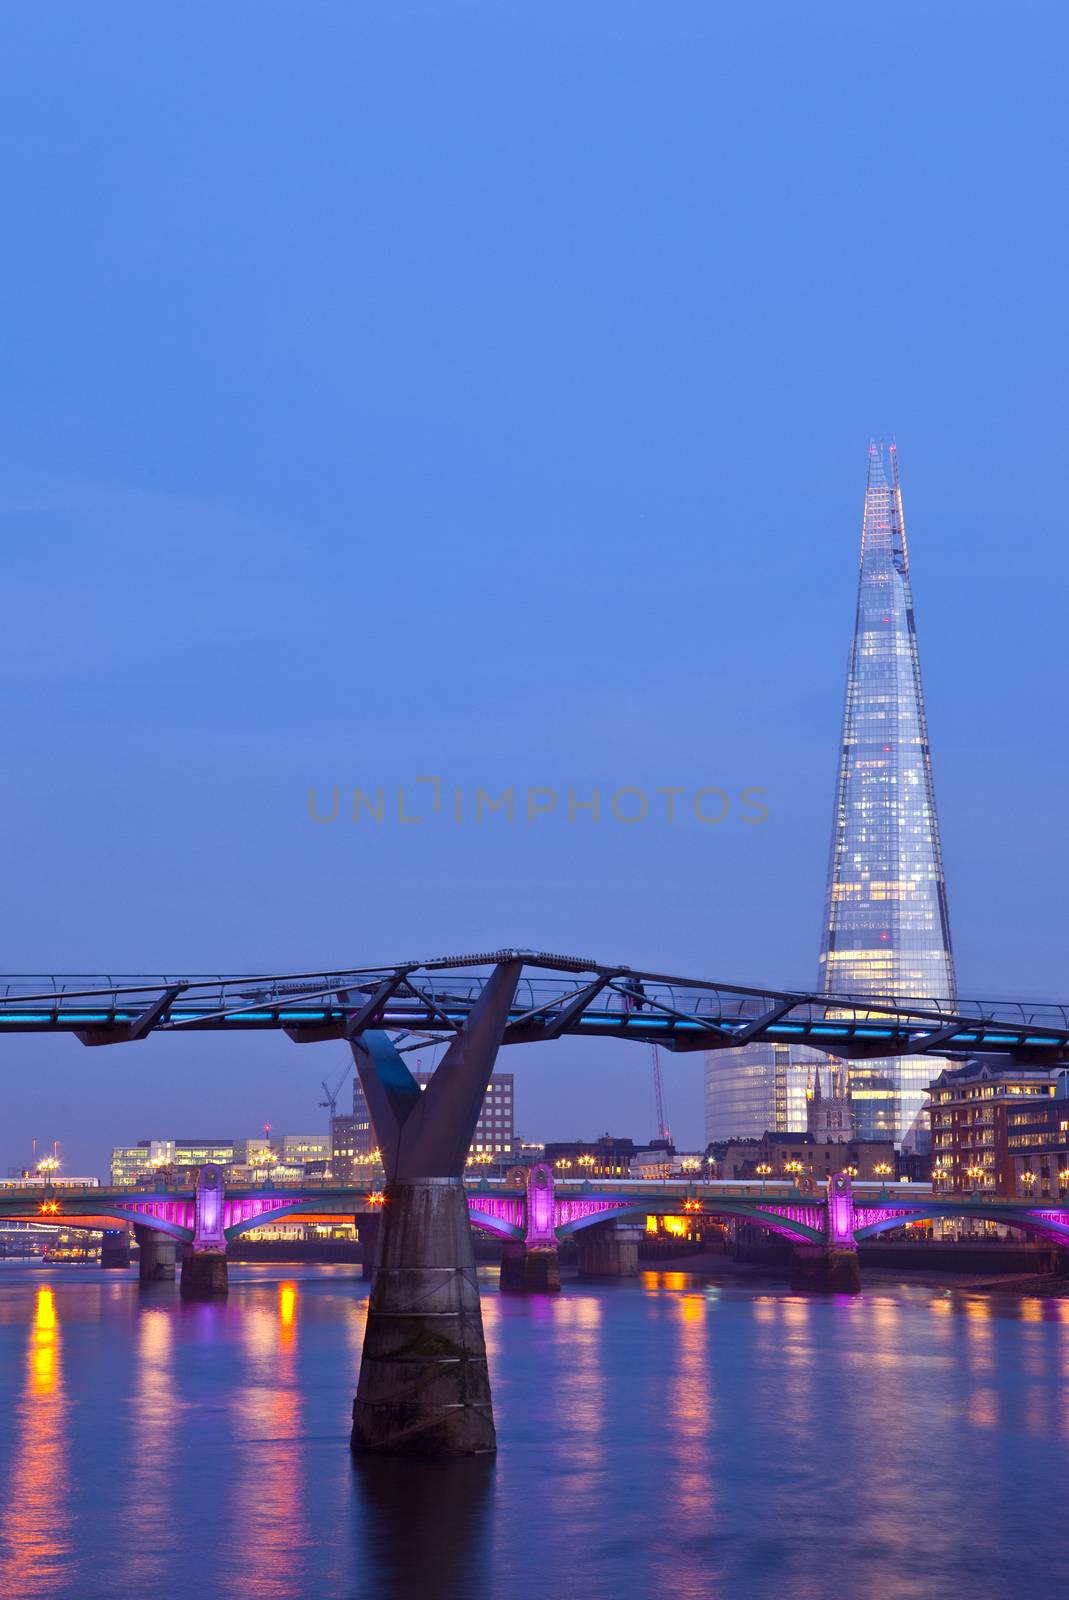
423	1528
692	1480
579	1385
35	1535
154	1424
659	1437
270	1526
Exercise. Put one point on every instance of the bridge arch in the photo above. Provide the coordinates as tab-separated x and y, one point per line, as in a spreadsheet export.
305	1207
498	1226
312	1206
93	1221
1044	1226
173	1230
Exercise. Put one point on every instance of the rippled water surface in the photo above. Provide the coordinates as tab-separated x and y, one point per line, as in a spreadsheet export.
660	1437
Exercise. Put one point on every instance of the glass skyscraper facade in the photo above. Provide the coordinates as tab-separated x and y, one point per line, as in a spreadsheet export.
886	932
756	1090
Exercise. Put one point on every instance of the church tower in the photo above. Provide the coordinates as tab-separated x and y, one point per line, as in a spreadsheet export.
829	1119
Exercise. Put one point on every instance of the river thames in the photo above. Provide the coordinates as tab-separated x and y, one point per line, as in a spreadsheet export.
667	1436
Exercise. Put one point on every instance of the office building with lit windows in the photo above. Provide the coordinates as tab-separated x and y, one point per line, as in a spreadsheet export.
1000	1127
132	1163
759	1089
363	1134
886	930
494	1138
886	927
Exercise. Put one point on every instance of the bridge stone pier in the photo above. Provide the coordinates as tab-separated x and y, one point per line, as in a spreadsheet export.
424	1388
369	1232
158	1255
609	1250
531	1265
115	1247
832	1267
204	1275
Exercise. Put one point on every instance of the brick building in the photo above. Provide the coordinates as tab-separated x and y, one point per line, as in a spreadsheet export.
801	1155
993	1124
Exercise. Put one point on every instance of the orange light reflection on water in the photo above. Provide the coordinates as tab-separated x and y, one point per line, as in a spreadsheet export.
35	1539
692	1416
287	1314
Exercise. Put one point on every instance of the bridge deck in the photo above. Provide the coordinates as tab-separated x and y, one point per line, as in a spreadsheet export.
556	995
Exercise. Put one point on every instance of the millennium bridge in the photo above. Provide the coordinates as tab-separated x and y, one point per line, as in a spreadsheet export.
423	1387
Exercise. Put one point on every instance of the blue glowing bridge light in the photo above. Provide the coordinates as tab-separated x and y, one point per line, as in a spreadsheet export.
785	1027
838	1033
1037	1038
1001	1038
299	1016
25	1016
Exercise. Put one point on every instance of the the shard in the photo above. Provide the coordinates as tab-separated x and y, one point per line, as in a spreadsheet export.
886	931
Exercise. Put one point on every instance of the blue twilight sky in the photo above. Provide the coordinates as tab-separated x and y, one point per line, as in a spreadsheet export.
394	389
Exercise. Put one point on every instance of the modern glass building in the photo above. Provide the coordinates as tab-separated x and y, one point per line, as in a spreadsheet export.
131	1162
886	932
759	1089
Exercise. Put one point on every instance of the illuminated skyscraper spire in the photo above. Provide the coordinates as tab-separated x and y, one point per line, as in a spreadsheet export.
886	930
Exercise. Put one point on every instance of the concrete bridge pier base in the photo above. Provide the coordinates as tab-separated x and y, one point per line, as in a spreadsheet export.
832	1266
424	1388
609	1250
204	1275
527	1270
825	1271
369	1232
159	1255
115	1248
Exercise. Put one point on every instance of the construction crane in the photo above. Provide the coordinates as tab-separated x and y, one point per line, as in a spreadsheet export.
330	1104
663	1130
